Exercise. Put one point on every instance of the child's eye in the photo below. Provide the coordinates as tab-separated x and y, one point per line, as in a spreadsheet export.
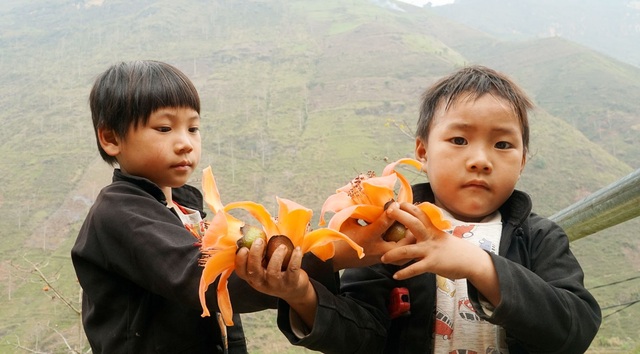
163	129
458	141
194	129
503	145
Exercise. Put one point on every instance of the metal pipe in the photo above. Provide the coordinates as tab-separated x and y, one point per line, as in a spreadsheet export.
609	206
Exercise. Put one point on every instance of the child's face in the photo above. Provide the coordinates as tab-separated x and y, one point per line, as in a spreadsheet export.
166	150
473	157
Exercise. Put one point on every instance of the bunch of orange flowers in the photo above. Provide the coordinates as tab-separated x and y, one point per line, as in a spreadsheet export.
363	198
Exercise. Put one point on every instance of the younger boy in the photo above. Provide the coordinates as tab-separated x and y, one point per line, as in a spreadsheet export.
135	259
502	280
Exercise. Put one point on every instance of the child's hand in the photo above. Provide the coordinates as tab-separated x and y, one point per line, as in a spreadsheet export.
436	251
291	285
369	237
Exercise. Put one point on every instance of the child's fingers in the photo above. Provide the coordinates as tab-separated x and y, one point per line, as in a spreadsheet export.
397	257
366	233
408	239
418	222
295	264
296	260
274	267
242	258
401	255
255	256
380	225
417	213
410	271
410	216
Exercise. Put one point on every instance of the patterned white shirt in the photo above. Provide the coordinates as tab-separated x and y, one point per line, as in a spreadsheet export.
458	328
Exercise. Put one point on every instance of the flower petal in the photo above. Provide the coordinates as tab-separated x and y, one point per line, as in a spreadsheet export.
293	220
316	241
217	228
287	205
405	193
223	230
224	300
335	203
406	161
368	213
325	251
387	182
217	262
210	190
380	190
259	212
435	215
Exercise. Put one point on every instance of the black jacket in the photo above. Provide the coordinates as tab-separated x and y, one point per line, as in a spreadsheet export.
545	307
138	268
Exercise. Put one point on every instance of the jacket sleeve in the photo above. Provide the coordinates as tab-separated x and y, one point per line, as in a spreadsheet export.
132	240
545	306
355	321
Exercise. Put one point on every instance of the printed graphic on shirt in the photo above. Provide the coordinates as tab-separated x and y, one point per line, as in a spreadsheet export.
463	231
443	326
466	311
488	246
192	220
458	328
445	285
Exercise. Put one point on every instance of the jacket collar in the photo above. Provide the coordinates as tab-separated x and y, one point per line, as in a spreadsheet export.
141	182
186	195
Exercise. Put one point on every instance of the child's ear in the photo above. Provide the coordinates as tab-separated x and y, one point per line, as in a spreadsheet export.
421	152
524	162
109	141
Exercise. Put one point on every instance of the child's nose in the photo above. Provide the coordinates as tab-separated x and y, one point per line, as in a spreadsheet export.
184	144
479	161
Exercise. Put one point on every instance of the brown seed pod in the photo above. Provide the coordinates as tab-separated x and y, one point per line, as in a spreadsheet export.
272	246
249	234
395	232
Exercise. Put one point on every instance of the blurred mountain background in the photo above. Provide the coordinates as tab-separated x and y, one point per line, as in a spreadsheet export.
298	97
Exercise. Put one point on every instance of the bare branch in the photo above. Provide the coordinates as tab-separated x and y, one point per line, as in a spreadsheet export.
20	346
403	127
51	287
64	339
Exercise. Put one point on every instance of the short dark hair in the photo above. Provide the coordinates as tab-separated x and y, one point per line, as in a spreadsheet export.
473	82
128	93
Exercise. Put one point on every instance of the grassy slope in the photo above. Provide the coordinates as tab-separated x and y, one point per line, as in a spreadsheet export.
295	102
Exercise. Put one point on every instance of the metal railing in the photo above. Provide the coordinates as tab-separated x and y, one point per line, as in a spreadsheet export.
609	206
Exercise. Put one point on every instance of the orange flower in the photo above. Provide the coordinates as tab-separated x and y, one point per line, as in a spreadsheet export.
365	196
293	221
218	246
219	242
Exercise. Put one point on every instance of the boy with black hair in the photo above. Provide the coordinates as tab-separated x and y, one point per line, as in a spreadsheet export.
136	261
502	280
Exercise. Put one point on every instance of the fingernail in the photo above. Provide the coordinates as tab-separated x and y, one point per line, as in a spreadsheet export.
258	241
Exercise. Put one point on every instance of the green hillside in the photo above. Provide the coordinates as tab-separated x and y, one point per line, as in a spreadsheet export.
298	97
615	33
